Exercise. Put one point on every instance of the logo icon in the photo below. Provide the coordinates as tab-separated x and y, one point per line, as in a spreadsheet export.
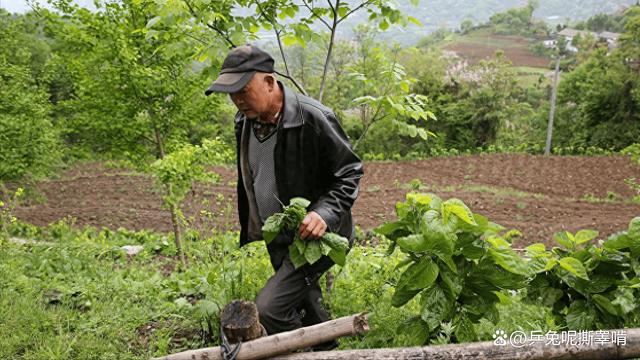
500	338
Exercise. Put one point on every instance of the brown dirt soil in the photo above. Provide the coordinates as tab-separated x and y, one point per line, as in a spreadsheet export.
534	194
518	53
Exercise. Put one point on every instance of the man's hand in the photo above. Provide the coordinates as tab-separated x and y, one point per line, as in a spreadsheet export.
312	226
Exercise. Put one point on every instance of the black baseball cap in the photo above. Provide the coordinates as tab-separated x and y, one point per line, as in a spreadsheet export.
239	67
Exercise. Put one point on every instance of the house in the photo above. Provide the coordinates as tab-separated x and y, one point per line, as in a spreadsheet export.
569	34
611	38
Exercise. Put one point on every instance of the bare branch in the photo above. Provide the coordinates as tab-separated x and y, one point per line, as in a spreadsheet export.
284	57
295	83
368	2
333	9
222	34
211	26
327	60
275	29
193	37
375	115
264	14
316	15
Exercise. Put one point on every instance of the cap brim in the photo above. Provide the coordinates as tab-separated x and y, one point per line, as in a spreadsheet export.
230	82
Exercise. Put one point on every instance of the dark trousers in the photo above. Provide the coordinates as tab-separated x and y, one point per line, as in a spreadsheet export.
291	298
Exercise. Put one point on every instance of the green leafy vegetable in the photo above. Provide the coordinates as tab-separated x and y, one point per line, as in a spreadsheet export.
302	251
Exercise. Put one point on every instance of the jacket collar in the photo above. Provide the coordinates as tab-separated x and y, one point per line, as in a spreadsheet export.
292	115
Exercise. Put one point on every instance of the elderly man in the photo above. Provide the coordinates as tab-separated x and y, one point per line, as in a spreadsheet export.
288	145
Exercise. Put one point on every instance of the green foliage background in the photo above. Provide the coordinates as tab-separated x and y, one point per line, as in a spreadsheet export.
126	82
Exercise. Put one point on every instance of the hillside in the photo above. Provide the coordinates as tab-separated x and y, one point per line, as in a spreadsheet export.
450	13
482	44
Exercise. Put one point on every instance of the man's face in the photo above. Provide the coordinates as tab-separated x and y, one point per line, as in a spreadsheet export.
253	99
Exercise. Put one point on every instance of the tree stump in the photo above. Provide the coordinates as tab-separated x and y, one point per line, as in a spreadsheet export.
240	321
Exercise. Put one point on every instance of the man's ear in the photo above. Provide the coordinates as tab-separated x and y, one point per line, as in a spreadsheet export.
270	81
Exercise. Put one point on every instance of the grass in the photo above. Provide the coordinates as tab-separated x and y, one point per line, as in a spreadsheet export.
417	185
75	294
85	299
530	76
485	37
611	197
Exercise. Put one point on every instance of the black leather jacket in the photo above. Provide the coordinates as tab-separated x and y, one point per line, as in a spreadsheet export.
313	159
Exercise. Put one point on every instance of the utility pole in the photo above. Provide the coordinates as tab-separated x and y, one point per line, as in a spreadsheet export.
552	111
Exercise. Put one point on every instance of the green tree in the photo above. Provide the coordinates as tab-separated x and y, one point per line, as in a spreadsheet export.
474	103
466	26
28	140
136	89
386	95
599	100
176	172
292	22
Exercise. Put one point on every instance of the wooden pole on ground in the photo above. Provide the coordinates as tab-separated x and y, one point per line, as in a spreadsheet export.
285	342
488	350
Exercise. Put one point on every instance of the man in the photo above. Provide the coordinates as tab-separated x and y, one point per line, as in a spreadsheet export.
288	145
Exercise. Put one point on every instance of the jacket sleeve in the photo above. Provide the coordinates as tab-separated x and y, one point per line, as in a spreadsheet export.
243	202
345	169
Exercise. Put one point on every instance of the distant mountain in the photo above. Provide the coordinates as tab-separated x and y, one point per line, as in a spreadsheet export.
435	14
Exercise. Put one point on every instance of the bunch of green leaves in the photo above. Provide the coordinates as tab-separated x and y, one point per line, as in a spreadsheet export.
304	251
455	260
588	286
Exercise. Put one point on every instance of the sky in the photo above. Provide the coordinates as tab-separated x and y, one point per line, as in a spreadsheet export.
21	6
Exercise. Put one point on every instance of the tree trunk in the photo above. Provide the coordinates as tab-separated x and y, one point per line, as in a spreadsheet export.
283	343
329	51
488	350
240	321
159	142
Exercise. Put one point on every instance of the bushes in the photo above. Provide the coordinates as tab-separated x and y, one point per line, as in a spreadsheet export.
461	264
28	140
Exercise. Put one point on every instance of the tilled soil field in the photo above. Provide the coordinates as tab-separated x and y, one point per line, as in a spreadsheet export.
534	194
515	48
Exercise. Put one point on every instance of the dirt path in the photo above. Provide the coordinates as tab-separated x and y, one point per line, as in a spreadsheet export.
533	194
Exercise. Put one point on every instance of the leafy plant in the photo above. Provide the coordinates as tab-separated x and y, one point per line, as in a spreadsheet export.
6	211
586	286
391	97
176	173
304	251
456	262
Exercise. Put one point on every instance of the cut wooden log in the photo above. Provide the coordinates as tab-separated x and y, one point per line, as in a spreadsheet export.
283	343
240	321
538	350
